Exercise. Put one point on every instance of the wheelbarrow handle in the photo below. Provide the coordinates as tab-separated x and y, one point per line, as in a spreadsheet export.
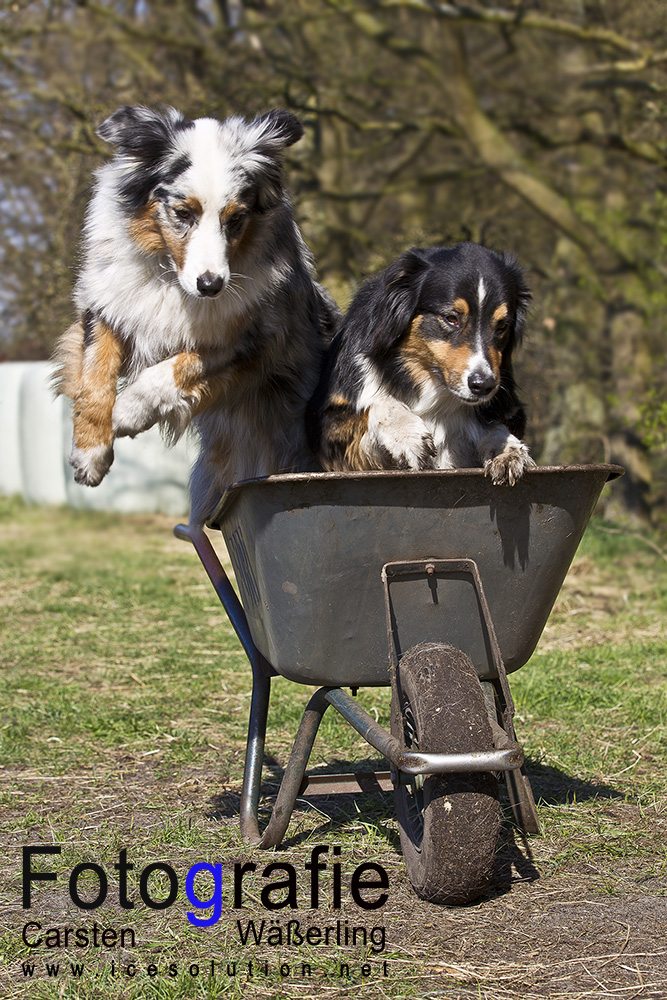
221	584
261	676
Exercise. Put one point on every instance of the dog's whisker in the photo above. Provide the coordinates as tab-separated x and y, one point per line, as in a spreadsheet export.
234	292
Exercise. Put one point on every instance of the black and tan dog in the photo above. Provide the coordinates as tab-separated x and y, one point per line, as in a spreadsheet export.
420	374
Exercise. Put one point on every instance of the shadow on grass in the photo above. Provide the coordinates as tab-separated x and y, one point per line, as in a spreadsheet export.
342	813
513	863
337	810
374	811
550	785
556	787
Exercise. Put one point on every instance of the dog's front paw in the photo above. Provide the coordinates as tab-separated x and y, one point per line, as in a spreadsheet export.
509	465
91	464
153	398
417	451
398	437
132	413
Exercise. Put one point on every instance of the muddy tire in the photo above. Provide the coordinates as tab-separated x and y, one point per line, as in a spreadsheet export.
448	823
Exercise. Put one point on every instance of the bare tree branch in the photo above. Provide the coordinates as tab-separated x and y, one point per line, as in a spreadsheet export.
491	146
523	19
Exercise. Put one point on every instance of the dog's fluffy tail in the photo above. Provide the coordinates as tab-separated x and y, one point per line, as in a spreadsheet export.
68	360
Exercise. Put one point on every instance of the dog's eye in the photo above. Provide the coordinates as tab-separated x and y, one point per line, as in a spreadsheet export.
502	332
185	215
235	224
453	319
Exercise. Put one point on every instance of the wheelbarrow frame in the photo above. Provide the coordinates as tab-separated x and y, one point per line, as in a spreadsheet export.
507	755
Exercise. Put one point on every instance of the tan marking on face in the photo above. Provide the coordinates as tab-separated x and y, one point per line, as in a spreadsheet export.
154	236
230	209
500	313
418	368
417	353
176	244
461	305
416	349
93	404
452	362
495	357
191	204
339	400
146	231
242	242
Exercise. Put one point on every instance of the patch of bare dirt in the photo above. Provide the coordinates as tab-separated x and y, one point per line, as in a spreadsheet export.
559	920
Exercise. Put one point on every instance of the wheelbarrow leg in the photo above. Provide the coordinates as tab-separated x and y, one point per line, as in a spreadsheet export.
254	756
295	771
522	800
517	781
259	710
261	677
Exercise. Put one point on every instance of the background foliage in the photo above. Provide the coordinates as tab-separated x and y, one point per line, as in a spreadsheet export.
535	126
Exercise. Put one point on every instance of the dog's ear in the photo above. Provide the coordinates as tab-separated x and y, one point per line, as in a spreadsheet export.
140	132
148	138
278	129
399	293
522	297
271	134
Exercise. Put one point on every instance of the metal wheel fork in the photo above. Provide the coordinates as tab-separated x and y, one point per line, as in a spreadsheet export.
497	693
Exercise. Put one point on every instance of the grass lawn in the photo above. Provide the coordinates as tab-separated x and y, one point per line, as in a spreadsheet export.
123	715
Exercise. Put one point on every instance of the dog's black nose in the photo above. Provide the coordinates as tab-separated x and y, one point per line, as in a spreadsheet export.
481	383
209	284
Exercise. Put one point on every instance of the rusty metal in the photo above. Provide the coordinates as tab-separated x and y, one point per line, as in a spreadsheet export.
433	570
522	801
412	761
346	784
517	782
447	568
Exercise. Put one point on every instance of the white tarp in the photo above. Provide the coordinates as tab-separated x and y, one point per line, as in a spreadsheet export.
35	441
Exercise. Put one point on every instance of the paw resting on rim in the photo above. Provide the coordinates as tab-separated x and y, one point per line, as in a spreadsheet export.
509	466
418	454
402	437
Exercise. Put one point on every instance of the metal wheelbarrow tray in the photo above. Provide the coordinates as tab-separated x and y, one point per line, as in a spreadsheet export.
436	583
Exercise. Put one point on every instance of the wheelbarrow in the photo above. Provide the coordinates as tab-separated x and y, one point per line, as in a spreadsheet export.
437	583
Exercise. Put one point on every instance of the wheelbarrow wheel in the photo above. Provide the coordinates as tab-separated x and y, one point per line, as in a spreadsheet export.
448	823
